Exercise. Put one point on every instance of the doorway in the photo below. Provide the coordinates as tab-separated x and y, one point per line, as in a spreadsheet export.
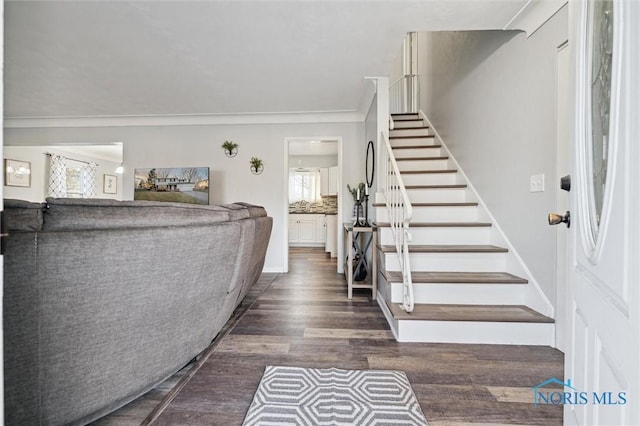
313	201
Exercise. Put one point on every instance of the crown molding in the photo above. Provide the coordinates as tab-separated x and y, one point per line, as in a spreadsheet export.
186	120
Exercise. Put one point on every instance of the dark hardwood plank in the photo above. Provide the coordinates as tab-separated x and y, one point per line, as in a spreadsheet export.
455	384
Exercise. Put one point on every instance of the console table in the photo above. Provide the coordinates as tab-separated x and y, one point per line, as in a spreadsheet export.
359	239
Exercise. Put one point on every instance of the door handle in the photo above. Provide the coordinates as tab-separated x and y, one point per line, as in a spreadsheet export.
555	219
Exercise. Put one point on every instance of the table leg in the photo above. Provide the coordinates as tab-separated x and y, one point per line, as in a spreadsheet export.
374	265
350	266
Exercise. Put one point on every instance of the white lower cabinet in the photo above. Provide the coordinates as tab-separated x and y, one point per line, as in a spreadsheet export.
331	240
307	229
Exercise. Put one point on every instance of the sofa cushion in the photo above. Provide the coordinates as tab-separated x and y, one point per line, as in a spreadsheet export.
236	211
69	214
254	211
24	215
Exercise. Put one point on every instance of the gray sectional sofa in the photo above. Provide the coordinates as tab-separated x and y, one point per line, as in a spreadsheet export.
105	299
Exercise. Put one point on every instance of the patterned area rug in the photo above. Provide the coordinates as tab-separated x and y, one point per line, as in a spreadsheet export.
309	396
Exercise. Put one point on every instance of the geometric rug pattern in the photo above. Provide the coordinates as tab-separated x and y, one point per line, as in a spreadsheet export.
312	396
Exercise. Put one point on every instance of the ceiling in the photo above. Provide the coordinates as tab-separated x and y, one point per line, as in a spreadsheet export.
167	58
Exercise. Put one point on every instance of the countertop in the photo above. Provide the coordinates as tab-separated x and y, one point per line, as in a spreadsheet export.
327	213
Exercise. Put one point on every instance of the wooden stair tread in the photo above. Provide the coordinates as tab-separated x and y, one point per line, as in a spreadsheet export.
447	248
439	224
418	172
416	146
444	157
471	313
412	137
410	128
433	204
406	117
455	186
427	277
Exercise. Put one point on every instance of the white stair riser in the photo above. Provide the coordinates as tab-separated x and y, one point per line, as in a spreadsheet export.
423	165
497	333
412	142
430	178
417	152
435	214
493	333
399	124
409	132
440	235
437	195
447	262
451	293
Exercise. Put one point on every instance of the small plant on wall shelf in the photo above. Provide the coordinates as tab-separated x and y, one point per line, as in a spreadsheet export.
230	148
256	165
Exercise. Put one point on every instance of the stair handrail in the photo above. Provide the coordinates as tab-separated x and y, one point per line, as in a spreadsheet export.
400	212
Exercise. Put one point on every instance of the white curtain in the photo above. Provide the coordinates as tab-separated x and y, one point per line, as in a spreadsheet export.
84	185
89	173
57	176
304	186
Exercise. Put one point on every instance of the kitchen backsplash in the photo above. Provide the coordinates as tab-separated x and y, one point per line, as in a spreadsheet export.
327	205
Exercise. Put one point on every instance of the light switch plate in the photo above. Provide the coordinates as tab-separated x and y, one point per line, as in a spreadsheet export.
536	183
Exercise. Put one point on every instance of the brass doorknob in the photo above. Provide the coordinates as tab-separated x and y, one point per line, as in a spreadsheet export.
555	219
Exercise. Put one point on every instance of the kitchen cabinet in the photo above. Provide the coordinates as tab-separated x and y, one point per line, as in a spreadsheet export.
331	241
333	180
321	228
306	229
329	180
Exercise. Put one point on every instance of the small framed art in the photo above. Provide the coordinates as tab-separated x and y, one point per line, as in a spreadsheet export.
110	184
17	173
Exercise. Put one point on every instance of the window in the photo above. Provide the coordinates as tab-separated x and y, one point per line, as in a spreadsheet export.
71	178
74	178
304	185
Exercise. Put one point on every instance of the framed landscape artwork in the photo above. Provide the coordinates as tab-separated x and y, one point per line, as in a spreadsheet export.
177	185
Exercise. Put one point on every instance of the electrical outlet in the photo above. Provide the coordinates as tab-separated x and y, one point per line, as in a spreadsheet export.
536	183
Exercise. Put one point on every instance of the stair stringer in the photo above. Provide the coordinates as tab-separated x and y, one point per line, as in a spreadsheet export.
534	296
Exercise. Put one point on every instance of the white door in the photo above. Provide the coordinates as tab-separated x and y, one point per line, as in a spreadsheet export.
563	165
603	357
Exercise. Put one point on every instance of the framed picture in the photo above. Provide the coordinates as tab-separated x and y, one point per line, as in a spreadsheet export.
177	185
17	173
110	184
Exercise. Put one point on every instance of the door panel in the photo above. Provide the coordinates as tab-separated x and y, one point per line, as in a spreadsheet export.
563	165
602	359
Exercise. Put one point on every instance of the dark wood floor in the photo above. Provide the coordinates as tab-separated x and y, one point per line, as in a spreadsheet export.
304	319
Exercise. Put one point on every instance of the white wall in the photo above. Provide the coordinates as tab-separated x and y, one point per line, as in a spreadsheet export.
36	155
313	161
371	134
231	179
491	95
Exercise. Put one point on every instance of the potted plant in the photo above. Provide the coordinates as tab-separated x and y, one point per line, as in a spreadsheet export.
230	148
256	165
354	191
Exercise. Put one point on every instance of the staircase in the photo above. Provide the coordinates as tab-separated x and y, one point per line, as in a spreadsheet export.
468	287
